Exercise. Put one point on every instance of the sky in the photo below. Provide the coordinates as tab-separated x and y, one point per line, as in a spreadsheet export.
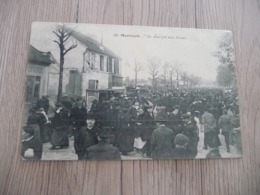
192	48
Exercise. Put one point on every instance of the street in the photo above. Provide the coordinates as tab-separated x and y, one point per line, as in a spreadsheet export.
69	153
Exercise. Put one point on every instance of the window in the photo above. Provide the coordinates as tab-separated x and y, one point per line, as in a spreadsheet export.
109	64
116	67
102	63
93	84
89	60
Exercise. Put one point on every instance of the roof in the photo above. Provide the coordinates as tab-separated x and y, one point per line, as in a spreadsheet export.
39	57
92	44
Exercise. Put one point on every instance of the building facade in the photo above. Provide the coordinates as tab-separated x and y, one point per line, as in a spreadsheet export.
38	69
90	69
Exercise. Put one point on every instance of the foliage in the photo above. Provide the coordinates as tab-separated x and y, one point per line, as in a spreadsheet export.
225	55
224	77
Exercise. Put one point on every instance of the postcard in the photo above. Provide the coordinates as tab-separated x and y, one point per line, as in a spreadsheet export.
117	92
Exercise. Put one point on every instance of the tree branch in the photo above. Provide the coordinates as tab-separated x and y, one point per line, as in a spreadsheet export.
70	48
57	42
66	37
56	34
60	30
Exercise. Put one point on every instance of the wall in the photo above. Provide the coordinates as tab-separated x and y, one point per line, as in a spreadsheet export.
101	76
42	71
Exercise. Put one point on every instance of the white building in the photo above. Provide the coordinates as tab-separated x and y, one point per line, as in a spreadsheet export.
91	70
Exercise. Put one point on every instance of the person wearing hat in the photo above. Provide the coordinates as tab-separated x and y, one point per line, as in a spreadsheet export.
209	122
225	124
44	127
126	135
102	150
191	131
78	115
60	123
162	141
181	141
175	121
146	125
87	136
132	113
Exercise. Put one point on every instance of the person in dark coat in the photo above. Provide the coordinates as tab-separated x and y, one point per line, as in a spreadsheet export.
180	151
191	131
175	121
132	113
146	126
45	125
32	142
60	136
87	136
113	114
209	122
78	115
102	150
162	141
35	121
126	134
225	124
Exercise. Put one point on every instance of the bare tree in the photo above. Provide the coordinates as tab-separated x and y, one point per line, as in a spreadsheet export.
165	71
154	65
136	67
171	74
63	34
174	69
178	71
184	78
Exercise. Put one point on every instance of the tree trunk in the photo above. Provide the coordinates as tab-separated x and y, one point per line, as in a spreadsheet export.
60	78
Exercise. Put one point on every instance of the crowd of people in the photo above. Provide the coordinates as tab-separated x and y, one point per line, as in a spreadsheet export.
158	125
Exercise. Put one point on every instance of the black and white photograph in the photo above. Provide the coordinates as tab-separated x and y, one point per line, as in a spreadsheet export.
117	92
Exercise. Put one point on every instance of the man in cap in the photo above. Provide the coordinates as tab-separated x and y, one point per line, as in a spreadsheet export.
103	150
191	131
87	136
181	141
162	141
